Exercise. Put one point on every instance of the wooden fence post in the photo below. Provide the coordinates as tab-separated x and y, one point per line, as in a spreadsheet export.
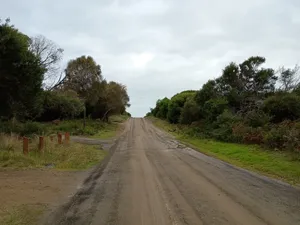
25	145
67	137
41	143
59	138
51	138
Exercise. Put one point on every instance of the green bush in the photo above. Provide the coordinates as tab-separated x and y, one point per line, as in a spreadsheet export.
283	107
58	105
214	107
285	135
27	128
162	108
176	104
224	123
256	118
190	112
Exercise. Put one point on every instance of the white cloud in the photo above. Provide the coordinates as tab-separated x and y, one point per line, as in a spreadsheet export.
141	60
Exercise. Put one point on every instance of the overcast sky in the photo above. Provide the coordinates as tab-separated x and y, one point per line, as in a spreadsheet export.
160	47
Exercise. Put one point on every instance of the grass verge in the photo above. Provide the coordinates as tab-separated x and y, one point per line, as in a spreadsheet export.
280	165
22	215
110	130
65	156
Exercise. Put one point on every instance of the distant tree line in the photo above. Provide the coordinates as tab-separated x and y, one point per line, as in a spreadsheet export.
247	103
33	87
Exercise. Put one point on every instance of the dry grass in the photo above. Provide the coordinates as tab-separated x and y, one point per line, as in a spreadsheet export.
22	215
64	156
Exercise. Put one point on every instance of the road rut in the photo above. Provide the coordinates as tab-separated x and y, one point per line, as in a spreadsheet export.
152	179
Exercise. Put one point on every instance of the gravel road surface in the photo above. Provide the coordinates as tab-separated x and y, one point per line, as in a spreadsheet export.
151	179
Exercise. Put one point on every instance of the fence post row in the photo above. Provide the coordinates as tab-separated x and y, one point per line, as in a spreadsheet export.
41	144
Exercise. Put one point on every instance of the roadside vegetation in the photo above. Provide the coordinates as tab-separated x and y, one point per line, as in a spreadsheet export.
22	214
64	156
247	104
37	96
284	165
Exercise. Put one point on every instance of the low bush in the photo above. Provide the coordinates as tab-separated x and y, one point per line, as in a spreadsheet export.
285	135
27	128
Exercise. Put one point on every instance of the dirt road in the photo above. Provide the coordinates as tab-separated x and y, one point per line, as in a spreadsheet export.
151	179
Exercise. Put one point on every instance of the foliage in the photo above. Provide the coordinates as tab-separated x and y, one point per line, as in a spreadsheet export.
190	112
81	74
176	104
60	105
25	63
284	165
283	106
214	107
21	75
242	105
161	108
256	118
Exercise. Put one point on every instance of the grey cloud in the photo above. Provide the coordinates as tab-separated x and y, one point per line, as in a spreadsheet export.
188	42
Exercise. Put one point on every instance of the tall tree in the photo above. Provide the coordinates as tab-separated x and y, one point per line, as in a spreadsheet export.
81	74
50	55
21	74
289	78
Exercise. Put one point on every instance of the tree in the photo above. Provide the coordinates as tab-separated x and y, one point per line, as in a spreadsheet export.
116	98
50	56
190	112
162	108
208	91
21	74
81	74
247	83
107	99
289	78
176	104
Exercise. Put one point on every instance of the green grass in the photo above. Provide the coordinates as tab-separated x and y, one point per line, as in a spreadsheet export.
65	156
109	130
22	215
281	165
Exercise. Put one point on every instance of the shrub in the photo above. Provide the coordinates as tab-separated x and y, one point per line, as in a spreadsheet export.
245	134
285	135
57	105
190	112
224	123
176	104
214	107
27	128
283	107
256	118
